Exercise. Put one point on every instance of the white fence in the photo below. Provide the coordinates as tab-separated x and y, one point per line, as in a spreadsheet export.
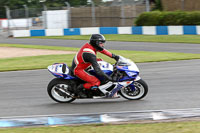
56	19
15	23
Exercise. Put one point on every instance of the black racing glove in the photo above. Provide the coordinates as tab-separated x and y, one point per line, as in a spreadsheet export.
116	57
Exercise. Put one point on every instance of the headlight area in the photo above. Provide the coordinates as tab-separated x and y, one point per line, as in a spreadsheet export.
132	73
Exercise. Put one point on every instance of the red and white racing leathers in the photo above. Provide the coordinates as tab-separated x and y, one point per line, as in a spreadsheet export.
85	58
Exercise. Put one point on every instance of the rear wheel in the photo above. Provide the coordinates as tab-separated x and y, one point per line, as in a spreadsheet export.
135	91
60	90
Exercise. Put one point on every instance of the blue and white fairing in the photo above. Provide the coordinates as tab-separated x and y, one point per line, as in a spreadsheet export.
129	67
127	73
57	70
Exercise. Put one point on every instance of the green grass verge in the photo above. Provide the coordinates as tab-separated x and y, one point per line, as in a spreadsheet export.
33	62
41	62
174	127
136	38
39	47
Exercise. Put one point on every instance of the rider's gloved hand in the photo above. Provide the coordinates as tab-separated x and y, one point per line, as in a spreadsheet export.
116	57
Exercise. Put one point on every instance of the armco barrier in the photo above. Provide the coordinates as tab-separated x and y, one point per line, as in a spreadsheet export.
136	30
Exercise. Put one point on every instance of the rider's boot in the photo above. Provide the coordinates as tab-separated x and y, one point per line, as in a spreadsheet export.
96	89
80	91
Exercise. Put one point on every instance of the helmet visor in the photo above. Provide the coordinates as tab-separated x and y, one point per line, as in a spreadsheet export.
102	41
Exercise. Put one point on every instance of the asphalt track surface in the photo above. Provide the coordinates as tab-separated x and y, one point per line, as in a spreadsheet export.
172	85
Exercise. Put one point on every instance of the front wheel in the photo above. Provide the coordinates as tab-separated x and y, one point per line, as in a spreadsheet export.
135	91
58	90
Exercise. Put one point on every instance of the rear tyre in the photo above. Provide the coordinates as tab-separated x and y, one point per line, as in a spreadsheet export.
59	90
135	91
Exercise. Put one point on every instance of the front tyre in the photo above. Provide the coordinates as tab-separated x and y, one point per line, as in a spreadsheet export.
58	90
135	91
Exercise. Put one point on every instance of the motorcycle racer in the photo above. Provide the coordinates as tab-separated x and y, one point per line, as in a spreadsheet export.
87	57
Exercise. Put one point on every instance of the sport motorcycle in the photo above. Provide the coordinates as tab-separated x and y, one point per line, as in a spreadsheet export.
125	73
